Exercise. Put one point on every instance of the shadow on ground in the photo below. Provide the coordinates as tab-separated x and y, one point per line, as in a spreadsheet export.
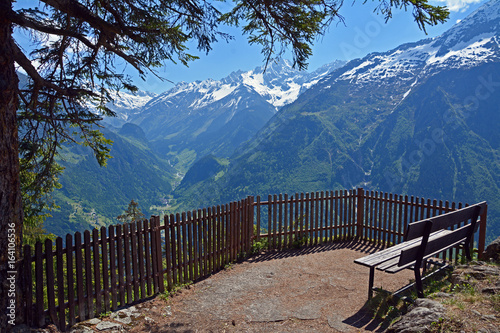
362	247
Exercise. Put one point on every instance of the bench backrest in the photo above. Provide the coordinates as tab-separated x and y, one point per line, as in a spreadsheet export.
425	228
445	221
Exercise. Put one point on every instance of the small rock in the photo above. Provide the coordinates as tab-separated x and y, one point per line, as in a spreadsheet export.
442	294
492	251
267	310
430	304
491	290
52	328
464	275
168	311
486	270
420	318
108	325
124	320
93	321
491	317
126	315
476	313
118	314
336	322
307	311
458	278
81	329
493	329
149	320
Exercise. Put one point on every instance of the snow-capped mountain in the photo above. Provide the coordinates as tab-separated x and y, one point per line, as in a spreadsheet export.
132	101
483	24
279	84
472	41
126	104
422	119
215	116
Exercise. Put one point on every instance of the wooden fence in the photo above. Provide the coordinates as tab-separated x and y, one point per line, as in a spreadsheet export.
126	263
315	218
119	265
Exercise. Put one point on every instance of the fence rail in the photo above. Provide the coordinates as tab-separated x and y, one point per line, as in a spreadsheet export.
119	265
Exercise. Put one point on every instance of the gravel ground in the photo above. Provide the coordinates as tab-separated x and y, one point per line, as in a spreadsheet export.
315	289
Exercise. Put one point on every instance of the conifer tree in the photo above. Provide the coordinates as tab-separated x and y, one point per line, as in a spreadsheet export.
132	213
74	61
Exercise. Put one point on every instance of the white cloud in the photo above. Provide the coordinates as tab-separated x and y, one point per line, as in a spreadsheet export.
458	5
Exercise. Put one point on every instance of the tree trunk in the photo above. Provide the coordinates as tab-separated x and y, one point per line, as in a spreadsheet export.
11	212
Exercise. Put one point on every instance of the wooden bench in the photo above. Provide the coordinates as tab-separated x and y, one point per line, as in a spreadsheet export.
423	240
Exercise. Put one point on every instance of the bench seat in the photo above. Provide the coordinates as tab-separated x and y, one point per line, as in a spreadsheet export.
388	259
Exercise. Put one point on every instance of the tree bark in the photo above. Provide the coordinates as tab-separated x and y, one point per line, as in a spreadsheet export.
11	212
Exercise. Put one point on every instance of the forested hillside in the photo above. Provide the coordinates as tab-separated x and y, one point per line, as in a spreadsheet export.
93	196
422	119
164	135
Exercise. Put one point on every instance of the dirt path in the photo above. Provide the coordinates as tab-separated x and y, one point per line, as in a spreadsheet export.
317	289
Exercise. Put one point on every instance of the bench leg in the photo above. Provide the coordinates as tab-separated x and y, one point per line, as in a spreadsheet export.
467	252
424	267
418	282
370	282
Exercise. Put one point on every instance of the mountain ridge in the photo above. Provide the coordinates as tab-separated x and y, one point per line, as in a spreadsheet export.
370	123
215	116
421	119
238	113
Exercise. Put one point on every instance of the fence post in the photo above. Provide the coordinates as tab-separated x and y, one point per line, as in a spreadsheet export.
250	216
154	256
159	253
39	311
359	212
482	233
269	221
258	218
27	286
49	271
168	253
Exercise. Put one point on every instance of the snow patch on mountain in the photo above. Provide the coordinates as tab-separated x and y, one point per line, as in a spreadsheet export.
472	41
474	53
124	104
352	74
127	100
276	92
487	13
279	94
279	84
212	94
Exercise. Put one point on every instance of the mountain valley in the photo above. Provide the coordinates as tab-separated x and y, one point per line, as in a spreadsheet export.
422	119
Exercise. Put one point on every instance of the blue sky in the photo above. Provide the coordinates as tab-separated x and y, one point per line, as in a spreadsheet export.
364	32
